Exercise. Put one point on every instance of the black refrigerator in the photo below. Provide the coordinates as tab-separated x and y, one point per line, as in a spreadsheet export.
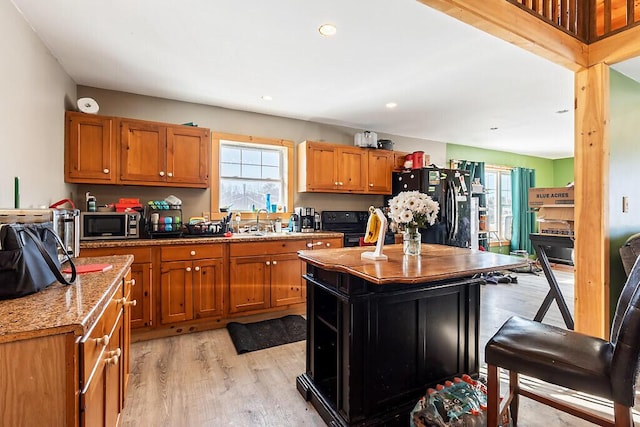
451	188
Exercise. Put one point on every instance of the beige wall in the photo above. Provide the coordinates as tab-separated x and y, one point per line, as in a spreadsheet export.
240	122
35	93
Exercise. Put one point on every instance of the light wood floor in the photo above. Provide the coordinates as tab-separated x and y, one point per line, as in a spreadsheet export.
199	380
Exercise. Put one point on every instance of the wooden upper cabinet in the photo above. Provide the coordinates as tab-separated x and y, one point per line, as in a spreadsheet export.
90	149
112	150
317	167
188	155
143	152
379	166
352	169
333	168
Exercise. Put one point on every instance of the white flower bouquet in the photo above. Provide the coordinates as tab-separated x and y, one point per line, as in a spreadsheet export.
413	209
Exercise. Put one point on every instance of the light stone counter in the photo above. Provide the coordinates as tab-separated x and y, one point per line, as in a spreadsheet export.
61	309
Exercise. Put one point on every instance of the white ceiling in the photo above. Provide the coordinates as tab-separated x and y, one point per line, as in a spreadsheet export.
452	82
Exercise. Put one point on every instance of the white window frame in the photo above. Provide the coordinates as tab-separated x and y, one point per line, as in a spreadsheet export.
502	225
288	163
281	180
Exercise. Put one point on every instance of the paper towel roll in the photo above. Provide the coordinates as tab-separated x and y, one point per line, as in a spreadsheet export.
88	105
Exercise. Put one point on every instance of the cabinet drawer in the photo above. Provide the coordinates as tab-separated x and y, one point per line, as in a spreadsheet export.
267	248
183	253
326	243
94	343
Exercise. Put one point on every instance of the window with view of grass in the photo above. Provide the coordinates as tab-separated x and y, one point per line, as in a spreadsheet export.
249	168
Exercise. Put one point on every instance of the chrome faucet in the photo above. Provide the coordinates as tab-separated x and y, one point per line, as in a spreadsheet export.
258	218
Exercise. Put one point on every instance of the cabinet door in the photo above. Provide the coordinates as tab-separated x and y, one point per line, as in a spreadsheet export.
90	150
352	170
176	291
287	285
188	156
143	152
93	400
141	313
321	167
379	164
125	328
114	371
249	283
207	288
398	160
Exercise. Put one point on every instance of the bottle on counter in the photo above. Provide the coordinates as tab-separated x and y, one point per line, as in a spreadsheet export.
278	227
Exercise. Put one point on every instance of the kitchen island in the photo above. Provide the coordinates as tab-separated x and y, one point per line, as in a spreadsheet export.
64	350
380	332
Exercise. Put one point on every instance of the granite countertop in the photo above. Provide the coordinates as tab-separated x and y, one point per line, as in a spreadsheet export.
63	309
437	262
235	238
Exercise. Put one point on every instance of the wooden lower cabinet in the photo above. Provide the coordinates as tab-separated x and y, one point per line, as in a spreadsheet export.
265	275
287	286
142	313
63	379
249	278
104	356
191	279
101	403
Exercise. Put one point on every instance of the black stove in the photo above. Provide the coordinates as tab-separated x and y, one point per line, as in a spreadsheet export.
352	223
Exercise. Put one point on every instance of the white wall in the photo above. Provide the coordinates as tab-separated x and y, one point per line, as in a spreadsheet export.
35	91
239	122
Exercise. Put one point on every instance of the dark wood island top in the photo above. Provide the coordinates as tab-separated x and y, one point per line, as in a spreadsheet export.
437	262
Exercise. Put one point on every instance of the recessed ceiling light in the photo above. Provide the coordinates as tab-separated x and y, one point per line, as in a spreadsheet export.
493	128
266	98
562	111
391	105
327	30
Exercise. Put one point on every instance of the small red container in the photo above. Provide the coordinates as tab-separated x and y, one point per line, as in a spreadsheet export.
418	159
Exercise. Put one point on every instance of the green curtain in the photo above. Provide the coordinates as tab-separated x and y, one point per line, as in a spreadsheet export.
524	221
476	169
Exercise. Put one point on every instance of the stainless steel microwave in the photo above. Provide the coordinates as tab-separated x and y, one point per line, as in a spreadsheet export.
109	225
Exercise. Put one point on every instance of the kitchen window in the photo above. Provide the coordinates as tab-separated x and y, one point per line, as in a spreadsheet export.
248	168
498	190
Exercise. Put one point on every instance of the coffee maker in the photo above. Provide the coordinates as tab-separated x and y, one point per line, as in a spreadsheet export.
307	219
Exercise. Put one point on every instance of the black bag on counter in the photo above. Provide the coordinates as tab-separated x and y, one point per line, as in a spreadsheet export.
29	259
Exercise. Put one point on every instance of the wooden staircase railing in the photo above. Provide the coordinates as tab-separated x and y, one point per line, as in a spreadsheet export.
586	20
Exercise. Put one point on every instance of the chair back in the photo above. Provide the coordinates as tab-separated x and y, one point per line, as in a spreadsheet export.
625	338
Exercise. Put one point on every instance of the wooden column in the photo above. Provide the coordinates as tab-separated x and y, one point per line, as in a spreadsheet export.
591	176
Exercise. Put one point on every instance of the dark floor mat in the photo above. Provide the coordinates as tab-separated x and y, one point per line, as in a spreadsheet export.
248	337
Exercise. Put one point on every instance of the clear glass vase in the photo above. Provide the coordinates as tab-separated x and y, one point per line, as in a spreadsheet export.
411	240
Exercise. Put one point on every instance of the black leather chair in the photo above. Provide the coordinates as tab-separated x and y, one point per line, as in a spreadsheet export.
563	357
